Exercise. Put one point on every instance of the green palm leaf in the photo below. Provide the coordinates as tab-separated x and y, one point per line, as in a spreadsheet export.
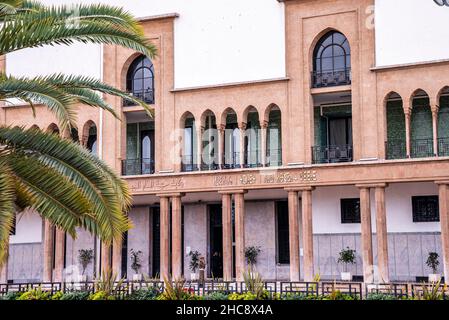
6	207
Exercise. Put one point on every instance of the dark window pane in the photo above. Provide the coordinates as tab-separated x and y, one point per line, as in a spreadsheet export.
283	241
425	209
350	211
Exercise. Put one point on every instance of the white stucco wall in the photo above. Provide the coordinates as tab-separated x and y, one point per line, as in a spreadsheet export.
28	229
215	42
409	31
327	214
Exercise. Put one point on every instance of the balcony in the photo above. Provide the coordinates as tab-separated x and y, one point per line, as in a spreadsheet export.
325	79
274	157
396	149
135	167
422	148
252	159
332	154
443	147
231	161
187	164
146	96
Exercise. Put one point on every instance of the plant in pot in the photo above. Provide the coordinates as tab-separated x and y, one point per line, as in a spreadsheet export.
194	264
251	255
136	264
433	262
85	257
347	257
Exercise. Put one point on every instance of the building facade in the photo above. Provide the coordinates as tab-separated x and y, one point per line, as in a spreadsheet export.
339	153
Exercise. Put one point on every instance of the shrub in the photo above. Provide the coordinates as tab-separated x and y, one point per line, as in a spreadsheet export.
35	294
76	295
381	296
194	264
346	257
57	296
12	295
136	260
85	257
176	291
433	261
243	296
251	255
216	296
144	294
101	295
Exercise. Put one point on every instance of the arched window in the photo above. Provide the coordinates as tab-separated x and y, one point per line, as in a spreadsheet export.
332	61
140	80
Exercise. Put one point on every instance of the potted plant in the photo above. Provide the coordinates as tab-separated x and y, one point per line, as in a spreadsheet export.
433	263
251	255
347	257
136	264
194	264
85	257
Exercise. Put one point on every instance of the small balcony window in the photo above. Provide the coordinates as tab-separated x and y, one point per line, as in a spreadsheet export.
140	80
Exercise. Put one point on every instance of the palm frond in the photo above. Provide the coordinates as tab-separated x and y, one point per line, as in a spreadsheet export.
107	196
101	24
39	91
7	209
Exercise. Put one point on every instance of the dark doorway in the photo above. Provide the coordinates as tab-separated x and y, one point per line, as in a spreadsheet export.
216	241
125	255
156	241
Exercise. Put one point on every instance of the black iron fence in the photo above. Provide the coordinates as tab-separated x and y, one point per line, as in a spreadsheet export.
274	157
331	78
135	167
332	154
443	147
356	290
188	165
396	149
422	148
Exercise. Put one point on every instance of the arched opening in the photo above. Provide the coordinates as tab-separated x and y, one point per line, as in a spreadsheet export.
274	137
53	128
90	137
140	80
252	158
189	143
331	61
421	128
231	141
443	123
209	141
396	134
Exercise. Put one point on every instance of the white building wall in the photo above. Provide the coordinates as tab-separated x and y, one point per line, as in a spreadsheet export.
28	228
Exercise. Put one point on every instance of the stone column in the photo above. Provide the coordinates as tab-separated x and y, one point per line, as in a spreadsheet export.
59	255
117	257
443	188
199	147
263	156
293	226
382	235
221	145
165	237
435	129
307	232
242	129
105	258
227	236
408	137
177	237
367	237
240	265
48	252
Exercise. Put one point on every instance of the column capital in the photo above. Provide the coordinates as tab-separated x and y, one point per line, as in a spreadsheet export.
371	185
171	195
221	127
434	109
442	182
233	192
299	189
263	124
243	125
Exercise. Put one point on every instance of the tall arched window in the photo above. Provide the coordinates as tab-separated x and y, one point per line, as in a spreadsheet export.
332	61
140	80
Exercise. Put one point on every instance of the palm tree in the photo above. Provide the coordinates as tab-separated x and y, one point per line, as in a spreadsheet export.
59	179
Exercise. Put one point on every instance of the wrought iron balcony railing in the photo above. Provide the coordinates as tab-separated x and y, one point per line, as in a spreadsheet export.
331	78
188	164
422	148
443	147
146	96
231	161
252	159
274	158
396	149
135	167
332	154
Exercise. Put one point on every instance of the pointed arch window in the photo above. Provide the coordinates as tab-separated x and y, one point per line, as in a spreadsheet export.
140	80
332	61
